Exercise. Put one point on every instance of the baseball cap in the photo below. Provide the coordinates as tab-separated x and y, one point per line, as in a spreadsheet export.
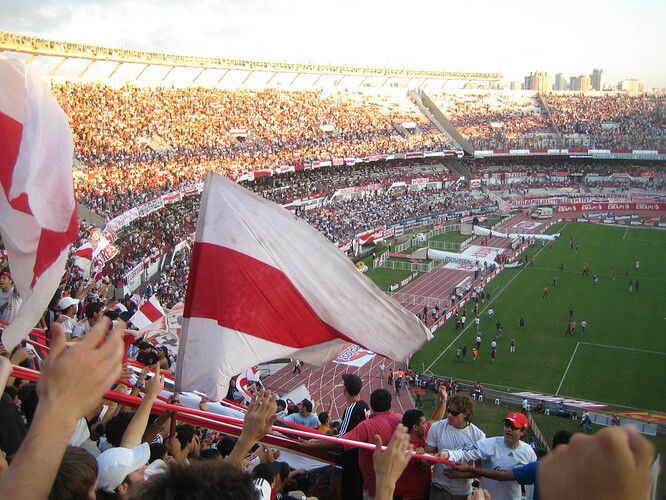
307	404
66	302
115	464
353	383
518	420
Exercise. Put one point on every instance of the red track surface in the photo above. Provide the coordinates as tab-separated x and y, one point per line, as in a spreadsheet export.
325	383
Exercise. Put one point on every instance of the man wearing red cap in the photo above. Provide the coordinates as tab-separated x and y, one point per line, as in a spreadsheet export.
498	453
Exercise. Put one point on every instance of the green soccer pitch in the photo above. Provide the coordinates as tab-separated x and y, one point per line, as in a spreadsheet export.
621	357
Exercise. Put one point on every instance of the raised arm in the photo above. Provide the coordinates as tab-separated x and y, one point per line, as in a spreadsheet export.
139	422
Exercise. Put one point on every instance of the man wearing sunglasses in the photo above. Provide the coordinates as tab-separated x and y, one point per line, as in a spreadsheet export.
456	431
500	453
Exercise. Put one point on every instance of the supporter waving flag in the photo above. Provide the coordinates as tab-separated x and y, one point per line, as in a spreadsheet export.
265	285
38	218
149	313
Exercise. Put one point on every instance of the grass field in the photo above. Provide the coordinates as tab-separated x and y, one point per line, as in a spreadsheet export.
621	357
451	237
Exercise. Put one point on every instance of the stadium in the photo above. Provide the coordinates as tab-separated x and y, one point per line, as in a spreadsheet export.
523	230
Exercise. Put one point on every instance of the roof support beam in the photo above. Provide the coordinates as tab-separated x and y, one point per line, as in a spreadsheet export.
115	70
58	66
142	72
88	66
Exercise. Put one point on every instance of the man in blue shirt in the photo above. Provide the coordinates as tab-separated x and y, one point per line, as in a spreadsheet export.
304	416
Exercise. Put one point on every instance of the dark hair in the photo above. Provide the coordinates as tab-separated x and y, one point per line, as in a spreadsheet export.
307	404
561	437
157	452
76	475
184	434
11	391
380	400
411	418
29	399
226	444
280	402
353	383
292	409
93	308
464	404
209	454
116	427
323	417
198	481
149	357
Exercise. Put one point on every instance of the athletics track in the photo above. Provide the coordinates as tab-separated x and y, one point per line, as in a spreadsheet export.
324	383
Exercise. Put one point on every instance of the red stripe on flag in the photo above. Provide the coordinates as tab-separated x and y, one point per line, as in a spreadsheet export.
11	133
51	245
151	312
249	296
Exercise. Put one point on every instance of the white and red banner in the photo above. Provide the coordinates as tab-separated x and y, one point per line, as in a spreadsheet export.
265	285
354	355
244	379
603	207
92	255
148	314
38	220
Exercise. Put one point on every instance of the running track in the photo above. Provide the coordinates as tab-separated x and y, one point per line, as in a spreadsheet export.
324	383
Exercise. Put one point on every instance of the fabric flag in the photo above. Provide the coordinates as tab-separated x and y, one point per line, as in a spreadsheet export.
265	285
94	253
150	312
244	379
38	218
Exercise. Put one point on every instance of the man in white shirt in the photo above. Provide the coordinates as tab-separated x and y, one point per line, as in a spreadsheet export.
67	318
10	301
457	431
498	453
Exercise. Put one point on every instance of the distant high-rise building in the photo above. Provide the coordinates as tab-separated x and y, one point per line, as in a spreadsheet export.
574	83
585	83
595	79
631	85
560	82
516	86
540	81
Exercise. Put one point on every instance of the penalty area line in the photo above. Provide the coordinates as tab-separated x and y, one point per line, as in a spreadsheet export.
573	355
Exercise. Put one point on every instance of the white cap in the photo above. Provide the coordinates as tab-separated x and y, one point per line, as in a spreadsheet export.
66	302
115	464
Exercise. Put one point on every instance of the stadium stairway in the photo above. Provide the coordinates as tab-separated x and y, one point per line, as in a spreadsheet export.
435	115
456	167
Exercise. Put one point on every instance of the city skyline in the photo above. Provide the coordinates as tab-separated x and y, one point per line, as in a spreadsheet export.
514	38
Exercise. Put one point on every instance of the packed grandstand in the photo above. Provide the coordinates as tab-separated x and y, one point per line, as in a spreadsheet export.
365	166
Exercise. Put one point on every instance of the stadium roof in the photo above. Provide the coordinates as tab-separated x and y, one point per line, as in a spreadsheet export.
36	47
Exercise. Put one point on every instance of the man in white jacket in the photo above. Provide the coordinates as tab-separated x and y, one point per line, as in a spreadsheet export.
498	453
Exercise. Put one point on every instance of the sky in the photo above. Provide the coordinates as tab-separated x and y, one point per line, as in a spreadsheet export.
625	38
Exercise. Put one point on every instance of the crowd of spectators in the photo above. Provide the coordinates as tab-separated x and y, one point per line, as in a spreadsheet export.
610	120
496	120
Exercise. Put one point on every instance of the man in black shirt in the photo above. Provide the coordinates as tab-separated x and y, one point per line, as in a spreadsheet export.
356	411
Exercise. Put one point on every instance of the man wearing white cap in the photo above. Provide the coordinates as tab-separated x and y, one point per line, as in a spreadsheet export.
120	468
68	307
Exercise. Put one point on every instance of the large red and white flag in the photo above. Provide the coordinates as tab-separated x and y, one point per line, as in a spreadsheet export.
38	218
149	313
264	285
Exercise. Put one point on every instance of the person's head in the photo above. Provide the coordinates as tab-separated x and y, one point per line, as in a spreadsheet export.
27	394
6	281
158	451
305	407
68	306
415	422
225	445
380	400
184	436
352	384
275	474
94	311
77	476
12	392
459	410
115	428
324	419
561	437
210	454
515	427
121	469
281	405
200	480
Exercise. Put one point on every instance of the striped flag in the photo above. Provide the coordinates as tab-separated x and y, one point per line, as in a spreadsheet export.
38	218
150	312
265	285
